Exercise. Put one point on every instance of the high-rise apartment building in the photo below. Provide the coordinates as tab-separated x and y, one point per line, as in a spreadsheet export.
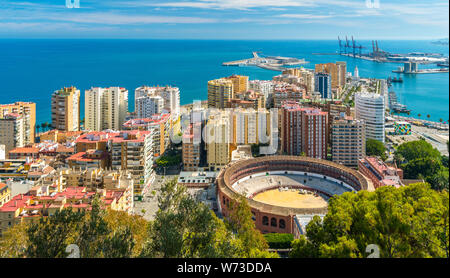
170	95
12	131
322	83
192	147
159	126
248	99
218	139
66	109
147	106
28	111
284	92
342	73
240	83
130	150
370	108
105	108
337	71
264	87
304	130
220	92
348	141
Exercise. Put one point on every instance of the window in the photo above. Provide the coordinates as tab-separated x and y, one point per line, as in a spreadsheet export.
265	220
282	224
273	222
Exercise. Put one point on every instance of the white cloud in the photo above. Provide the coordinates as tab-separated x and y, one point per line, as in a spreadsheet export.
225	4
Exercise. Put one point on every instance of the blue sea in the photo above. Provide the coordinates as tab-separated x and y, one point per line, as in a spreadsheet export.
30	70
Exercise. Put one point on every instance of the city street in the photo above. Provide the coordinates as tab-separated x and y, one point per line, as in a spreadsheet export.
150	201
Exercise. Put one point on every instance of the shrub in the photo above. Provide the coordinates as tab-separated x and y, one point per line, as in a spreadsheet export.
279	241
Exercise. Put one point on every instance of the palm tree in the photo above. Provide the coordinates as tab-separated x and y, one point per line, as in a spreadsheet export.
441	120
38	126
419	115
428	116
44	126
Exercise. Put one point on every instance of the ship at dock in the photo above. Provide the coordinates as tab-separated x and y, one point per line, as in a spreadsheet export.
396	107
394	80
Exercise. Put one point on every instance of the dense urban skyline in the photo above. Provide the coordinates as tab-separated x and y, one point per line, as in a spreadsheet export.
224	19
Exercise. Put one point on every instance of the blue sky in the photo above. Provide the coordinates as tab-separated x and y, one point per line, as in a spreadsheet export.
225	19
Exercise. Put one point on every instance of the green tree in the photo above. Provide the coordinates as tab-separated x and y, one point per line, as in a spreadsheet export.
13	241
417	149
375	148
422	168
241	223
184	228
411	221
88	230
50	236
439	180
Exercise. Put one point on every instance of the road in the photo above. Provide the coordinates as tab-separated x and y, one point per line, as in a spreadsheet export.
149	202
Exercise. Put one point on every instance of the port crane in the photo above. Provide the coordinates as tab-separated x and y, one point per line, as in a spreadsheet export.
347	46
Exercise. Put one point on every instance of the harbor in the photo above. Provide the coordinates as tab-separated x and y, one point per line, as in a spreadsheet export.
275	63
351	48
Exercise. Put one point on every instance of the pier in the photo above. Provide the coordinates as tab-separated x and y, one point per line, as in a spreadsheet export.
275	63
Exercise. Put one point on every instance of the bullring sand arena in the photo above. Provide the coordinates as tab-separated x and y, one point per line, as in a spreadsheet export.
290	198
277	188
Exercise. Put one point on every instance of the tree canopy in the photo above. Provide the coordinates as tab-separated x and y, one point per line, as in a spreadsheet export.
411	221
185	228
419	160
417	149
375	148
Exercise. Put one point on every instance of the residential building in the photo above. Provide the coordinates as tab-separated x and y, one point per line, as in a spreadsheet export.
147	106
5	194
248	99
220	92
218	138
192	147
370	108
38	203
240	83
264	87
46	148
380	173
92	179
105	108
304	130
66	109
128	153
12	131
58	136
338	72
89	159
170	96
28	111
348	141
285	92
342	73
159	125
322	82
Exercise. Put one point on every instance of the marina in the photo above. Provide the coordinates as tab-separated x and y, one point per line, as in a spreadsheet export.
396	107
